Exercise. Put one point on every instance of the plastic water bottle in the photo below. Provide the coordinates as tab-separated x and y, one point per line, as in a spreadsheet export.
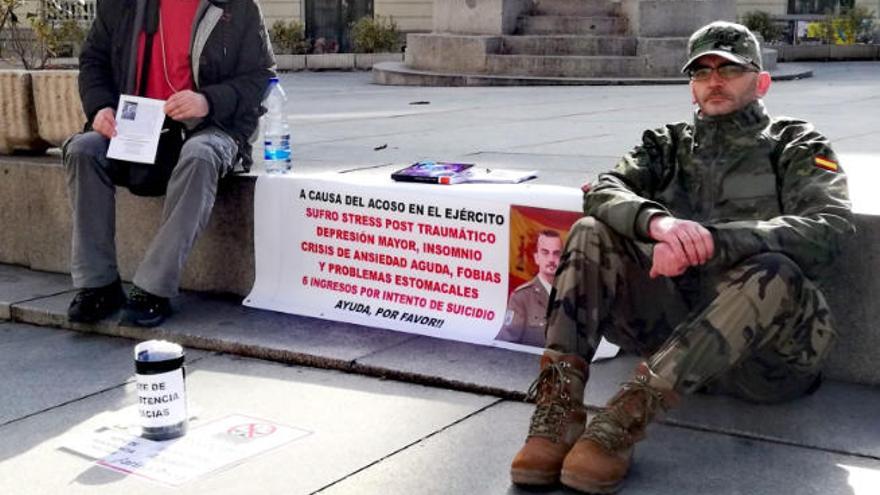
276	131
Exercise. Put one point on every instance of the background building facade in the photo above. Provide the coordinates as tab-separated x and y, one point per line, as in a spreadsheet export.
324	18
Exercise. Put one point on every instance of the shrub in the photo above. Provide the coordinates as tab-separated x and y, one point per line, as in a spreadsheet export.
71	35
374	35
60	38
858	22
760	22
289	37
852	25
52	32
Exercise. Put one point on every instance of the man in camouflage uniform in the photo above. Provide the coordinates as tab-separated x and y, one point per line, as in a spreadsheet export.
701	252
526	313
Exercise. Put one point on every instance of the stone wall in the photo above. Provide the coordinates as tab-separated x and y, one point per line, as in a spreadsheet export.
36	226
410	15
282	10
492	17
674	18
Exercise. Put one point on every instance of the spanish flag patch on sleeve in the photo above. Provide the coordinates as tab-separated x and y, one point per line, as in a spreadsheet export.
826	163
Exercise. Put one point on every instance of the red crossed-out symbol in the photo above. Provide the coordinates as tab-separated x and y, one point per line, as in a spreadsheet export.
252	430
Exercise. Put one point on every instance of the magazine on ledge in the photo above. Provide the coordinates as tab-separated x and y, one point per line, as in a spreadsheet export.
456	173
433	172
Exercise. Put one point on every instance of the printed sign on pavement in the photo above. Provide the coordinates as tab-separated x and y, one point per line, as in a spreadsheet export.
203	450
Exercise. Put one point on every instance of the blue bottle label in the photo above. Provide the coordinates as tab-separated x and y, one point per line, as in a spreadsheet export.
279	151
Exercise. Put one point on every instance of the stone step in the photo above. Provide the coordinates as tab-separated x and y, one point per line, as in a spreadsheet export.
568	45
565	66
554	24
583	8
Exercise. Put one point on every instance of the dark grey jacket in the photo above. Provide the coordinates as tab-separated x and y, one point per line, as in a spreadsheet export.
232	62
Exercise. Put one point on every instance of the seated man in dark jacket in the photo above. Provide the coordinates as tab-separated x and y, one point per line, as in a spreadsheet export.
702	252
211	61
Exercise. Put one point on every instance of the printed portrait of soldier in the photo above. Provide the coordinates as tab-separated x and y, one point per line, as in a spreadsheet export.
527	306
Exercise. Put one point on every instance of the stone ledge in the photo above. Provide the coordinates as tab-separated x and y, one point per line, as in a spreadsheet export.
330	61
788	53
450	52
290	62
36	233
398	74
37	226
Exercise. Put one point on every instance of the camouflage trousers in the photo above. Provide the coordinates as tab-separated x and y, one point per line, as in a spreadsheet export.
759	330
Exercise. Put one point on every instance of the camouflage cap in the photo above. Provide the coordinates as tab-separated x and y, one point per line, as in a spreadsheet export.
732	41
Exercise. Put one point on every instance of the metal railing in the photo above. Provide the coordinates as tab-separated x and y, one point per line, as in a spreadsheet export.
82	11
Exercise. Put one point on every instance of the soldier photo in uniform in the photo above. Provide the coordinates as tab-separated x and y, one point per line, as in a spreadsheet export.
527	307
703	251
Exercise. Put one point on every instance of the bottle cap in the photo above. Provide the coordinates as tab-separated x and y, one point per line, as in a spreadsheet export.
157	350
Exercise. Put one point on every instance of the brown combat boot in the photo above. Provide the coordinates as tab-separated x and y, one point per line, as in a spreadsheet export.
600	459
557	422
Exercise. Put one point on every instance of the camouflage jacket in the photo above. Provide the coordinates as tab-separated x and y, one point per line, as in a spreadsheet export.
758	184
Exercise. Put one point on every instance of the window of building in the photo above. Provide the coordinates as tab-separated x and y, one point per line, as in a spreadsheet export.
818	7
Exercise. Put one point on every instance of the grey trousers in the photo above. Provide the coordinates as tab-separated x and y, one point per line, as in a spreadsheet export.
91	181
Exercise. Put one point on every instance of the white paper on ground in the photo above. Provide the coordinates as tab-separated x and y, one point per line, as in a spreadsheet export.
203	450
606	350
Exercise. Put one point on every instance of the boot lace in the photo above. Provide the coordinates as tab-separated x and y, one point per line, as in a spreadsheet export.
551	395
616	428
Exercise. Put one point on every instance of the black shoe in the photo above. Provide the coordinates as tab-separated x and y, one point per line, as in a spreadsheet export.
144	309
93	304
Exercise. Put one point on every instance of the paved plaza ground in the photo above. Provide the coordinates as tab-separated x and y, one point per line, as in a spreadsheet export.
339	118
394	413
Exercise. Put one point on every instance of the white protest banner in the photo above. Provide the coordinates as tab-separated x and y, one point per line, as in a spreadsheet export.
419	258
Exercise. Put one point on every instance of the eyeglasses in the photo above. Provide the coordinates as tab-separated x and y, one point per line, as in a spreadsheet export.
726	72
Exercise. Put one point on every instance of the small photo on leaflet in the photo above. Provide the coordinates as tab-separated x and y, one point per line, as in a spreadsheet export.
129	110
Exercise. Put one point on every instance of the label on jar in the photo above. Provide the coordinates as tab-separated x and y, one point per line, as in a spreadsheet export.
161	399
